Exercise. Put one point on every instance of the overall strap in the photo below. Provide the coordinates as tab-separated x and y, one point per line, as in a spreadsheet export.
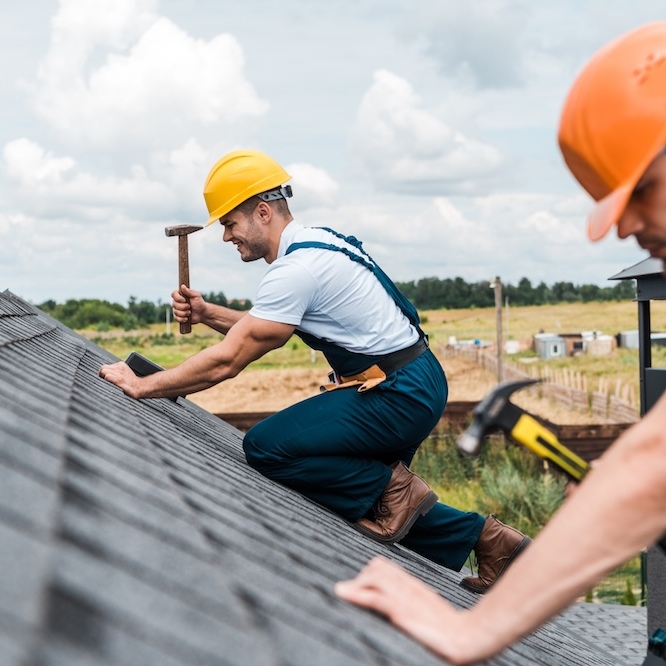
366	260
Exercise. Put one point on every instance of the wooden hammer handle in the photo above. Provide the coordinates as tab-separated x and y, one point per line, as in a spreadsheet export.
184	276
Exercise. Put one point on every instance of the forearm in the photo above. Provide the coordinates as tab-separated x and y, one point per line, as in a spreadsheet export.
619	509
201	371
221	319
246	341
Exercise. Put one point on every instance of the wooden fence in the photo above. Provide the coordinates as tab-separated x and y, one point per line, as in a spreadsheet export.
588	441
610	402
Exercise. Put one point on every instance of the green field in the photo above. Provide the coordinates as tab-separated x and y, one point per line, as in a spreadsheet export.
518	324
522	323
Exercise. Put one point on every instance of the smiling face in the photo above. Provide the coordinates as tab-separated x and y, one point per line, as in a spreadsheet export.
645	214
247	234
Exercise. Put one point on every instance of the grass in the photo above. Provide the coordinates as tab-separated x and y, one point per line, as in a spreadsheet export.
621	365
523	322
504	480
511	483
519	324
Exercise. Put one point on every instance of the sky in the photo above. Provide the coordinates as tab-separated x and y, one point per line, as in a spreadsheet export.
426	129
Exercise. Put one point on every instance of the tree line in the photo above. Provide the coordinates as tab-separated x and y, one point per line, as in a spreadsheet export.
103	315
455	293
427	294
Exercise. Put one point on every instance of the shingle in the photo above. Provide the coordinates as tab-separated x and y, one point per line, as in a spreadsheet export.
133	532
24	570
615	629
13	646
146	552
101	592
156	512
27	500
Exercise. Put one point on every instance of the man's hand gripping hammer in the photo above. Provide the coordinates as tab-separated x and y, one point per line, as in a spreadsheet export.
182	231
496	411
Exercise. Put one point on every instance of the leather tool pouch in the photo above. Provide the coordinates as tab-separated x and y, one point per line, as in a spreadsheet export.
365	380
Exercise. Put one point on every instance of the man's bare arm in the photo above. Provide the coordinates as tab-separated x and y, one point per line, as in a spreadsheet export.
249	339
618	510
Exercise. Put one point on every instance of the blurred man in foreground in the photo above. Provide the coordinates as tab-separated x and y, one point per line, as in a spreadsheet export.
612	135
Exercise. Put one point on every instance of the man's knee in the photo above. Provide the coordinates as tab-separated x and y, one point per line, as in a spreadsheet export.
261	449
252	446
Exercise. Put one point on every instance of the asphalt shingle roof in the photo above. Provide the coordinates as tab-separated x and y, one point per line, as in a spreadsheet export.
133	532
618	631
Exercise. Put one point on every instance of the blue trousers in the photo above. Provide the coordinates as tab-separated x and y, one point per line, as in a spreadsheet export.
337	447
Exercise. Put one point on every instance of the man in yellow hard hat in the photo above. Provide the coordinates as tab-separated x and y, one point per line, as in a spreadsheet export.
613	138
348	448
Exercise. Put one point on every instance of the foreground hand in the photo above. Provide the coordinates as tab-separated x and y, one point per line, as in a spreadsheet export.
185	303
412	606
122	376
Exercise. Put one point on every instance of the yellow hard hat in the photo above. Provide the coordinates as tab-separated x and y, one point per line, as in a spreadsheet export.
240	175
614	121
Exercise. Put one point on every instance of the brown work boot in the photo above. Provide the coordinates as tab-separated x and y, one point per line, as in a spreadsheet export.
497	547
406	497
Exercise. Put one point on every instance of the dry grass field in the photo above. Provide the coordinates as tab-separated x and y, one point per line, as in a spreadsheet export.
523	322
274	389
292	373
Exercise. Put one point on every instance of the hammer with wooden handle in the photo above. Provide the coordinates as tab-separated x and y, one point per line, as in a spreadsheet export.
182	231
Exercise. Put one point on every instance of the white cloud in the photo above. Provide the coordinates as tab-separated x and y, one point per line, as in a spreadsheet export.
454	169
51	186
477	42
31	166
117	71
313	186
552	230
403	146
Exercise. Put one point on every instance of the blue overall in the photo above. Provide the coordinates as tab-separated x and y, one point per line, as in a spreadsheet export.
337	447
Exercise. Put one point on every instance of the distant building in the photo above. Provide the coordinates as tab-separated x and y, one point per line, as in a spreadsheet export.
550	345
556	345
629	339
600	345
575	343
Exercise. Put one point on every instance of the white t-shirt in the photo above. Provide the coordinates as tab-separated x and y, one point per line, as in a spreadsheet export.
328	295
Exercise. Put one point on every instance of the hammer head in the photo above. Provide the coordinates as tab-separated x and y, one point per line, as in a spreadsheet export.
182	229
488	415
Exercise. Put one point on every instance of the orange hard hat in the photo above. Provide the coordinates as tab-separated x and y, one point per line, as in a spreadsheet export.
614	121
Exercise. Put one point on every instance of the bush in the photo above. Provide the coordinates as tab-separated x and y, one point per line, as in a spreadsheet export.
438	461
163	339
628	598
520	494
505	479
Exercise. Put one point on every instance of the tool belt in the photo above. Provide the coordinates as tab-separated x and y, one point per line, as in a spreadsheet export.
377	373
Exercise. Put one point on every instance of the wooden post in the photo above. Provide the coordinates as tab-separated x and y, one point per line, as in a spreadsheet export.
496	284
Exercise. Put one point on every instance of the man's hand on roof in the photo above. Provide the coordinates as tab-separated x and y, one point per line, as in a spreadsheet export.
415	608
122	376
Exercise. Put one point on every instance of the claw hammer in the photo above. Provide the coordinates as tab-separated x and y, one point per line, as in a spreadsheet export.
182	231
496	411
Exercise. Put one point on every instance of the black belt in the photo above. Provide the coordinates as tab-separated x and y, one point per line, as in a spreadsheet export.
396	360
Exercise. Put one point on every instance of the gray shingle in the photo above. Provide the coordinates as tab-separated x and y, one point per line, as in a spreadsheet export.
133	532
